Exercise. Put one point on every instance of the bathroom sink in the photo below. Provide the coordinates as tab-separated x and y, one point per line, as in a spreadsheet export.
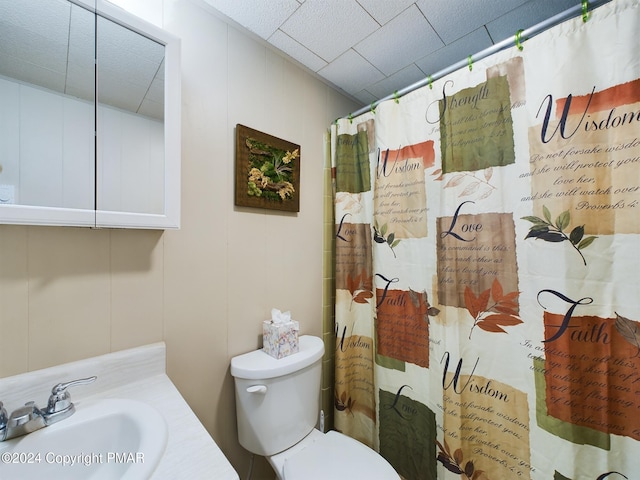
103	439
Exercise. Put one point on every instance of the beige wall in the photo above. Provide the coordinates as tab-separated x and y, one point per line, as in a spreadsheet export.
71	293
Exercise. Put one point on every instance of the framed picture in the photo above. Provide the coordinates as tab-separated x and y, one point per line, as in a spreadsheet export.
267	171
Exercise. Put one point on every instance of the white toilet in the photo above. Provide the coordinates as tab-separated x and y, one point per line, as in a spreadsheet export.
278	403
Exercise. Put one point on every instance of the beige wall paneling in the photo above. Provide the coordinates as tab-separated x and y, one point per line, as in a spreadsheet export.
205	288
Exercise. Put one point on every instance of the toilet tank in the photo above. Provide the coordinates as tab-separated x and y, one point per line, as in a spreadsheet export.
277	400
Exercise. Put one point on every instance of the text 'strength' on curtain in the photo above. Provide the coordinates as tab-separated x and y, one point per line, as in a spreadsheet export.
488	263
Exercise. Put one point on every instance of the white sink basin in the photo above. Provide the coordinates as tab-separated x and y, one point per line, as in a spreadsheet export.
103	439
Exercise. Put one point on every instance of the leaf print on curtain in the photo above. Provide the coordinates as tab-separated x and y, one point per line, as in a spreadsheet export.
487	229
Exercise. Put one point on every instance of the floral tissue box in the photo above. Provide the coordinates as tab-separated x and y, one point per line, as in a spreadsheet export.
280	339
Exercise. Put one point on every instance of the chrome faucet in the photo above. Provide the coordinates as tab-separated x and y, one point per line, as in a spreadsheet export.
30	418
3	423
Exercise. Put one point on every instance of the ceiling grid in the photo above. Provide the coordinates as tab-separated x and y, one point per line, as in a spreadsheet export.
370	48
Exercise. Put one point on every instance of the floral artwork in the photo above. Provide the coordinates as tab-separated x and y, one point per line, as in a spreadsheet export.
267	171
271	170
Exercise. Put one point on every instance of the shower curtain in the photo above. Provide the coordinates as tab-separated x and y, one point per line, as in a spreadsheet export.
487	310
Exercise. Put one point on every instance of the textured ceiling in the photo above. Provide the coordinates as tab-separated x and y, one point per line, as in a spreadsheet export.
51	44
371	48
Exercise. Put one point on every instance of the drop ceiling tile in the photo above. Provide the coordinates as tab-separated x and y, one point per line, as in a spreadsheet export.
80	92
36	32
43	17
453	19
48	55
329	27
288	45
156	91
455	52
260	16
81	40
117	92
525	16
160	73
388	49
365	97
30	73
329	35
80	81
118	40
152	109
350	71
383	11
405	77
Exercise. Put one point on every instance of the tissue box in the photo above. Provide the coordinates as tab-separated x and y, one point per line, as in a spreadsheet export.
280	339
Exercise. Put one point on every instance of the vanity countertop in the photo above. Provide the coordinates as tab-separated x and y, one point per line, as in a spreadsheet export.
136	374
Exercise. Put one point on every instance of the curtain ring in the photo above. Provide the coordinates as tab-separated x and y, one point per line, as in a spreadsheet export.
585	8
350	118
470	62
373	108
519	40
430	79
395	97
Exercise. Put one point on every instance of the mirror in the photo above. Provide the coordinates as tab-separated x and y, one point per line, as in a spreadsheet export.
46	104
89	133
130	122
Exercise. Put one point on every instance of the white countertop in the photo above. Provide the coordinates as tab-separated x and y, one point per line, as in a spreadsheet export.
136	374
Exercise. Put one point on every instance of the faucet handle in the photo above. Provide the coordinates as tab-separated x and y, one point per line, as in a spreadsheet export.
60	399
24	415
3	422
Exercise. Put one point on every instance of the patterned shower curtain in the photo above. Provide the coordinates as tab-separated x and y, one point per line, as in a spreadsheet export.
487	263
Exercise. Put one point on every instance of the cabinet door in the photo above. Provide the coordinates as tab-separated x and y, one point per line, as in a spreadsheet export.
137	89
89	117
47	79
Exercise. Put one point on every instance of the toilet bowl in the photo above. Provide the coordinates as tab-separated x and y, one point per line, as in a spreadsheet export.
277	408
331	456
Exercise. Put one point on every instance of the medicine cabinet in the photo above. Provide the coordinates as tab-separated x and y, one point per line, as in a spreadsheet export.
89	117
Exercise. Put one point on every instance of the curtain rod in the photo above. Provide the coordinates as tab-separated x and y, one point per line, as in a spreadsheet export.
507	43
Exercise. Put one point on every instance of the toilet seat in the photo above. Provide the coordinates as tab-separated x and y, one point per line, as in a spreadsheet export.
335	456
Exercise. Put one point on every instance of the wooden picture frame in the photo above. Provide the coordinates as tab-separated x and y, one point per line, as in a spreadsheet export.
267	171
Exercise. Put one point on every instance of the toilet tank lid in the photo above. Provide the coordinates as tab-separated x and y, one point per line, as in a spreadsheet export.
258	365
